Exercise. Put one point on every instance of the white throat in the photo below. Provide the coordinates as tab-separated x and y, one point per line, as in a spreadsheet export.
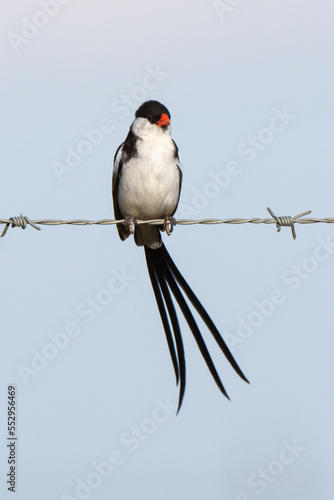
143	129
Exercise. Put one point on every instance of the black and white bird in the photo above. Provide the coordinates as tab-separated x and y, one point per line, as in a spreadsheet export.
146	185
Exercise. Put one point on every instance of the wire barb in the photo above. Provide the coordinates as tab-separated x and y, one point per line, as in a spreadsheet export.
287	221
21	221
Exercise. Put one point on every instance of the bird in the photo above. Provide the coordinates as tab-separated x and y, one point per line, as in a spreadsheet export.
146	185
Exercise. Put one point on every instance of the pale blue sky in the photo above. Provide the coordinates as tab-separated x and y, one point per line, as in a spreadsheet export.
250	92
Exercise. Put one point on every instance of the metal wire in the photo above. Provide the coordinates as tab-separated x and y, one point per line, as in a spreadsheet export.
282	221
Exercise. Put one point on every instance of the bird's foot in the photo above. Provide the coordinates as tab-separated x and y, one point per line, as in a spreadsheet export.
130	223
169	224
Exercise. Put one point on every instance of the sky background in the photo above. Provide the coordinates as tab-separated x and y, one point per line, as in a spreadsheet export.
249	85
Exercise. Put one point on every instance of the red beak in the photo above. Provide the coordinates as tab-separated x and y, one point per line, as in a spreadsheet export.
164	120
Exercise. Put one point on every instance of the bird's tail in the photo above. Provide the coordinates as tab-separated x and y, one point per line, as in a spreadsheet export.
166	279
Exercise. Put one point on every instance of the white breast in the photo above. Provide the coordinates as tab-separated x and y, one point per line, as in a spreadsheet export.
150	183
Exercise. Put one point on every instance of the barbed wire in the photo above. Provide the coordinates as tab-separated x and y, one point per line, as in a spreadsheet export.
281	221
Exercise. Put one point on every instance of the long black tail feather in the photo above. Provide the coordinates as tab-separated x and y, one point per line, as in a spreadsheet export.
166	277
164	300
202	312
194	328
157	292
176	328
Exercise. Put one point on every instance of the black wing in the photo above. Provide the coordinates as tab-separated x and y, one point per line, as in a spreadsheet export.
124	152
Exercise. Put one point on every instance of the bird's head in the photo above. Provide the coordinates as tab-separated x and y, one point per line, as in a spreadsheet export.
151	116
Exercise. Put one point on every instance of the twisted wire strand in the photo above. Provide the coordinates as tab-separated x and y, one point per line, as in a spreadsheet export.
280	221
